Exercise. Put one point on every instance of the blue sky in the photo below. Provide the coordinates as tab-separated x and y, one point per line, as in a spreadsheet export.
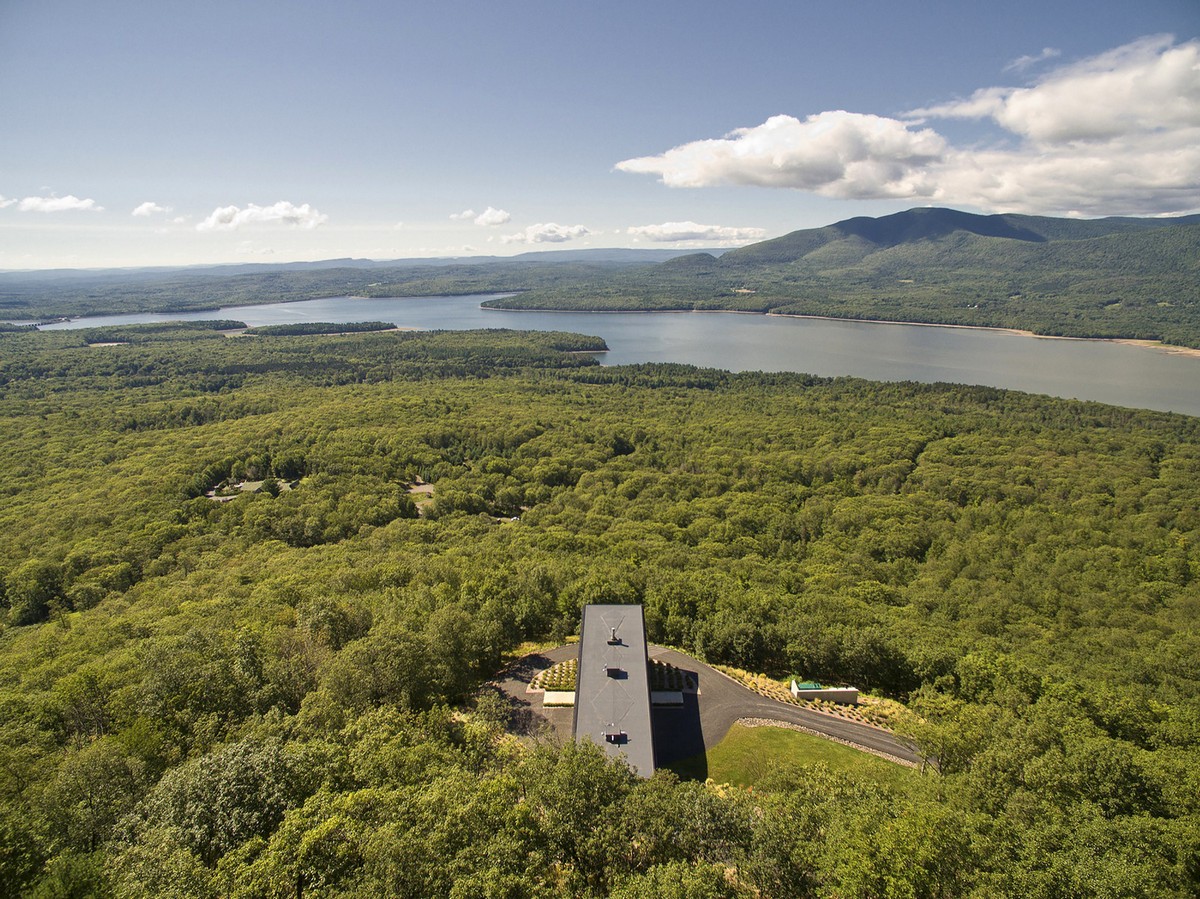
167	133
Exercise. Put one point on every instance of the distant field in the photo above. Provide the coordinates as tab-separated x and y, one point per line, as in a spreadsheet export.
748	754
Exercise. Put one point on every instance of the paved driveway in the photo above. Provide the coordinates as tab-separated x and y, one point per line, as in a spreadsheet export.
704	719
527	715
723	701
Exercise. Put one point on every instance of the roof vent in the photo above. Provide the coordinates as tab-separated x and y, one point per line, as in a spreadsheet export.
612	735
613	639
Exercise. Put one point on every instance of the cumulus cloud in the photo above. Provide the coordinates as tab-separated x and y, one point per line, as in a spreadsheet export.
149	208
4	203
491	217
1145	88
230	218
841	154
676	231
68	203
549	232
1115	133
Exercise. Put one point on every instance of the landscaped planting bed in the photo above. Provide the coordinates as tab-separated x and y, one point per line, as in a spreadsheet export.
665	677
872	710
557	678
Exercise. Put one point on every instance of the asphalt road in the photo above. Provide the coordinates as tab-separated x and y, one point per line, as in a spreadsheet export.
704	719
723	701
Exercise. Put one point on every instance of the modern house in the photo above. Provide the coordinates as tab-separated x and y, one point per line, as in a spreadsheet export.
612	687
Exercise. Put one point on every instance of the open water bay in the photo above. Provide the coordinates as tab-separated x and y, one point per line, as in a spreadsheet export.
1107	372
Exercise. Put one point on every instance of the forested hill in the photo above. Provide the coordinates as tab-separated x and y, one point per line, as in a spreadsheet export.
932	224
1116	277
274	690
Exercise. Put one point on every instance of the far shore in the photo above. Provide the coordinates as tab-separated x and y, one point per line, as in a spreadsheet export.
248	332
1168	348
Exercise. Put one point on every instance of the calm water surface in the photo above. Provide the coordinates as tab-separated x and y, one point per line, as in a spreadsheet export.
1090	370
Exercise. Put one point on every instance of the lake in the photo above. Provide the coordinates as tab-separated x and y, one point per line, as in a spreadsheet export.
1113	373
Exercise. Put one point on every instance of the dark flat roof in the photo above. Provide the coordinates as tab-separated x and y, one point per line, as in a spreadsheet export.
612	695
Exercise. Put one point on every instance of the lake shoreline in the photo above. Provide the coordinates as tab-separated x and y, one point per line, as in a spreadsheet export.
1087	369
1168	348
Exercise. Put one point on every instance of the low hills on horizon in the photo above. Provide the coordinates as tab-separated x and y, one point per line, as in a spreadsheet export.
1115	277
1106	278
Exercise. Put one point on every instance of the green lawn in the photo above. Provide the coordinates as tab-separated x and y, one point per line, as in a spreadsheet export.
748	754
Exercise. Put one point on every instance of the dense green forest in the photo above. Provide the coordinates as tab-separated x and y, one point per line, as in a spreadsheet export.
1101	278
279	694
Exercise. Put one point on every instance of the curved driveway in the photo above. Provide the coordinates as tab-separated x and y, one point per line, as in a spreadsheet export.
723	701
705	718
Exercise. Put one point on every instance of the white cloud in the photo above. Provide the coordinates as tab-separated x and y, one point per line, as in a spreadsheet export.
840	154
149	208
1149	87
230	218
1115	133
547	233
5	203
1021	63
491	217
58	204
675	231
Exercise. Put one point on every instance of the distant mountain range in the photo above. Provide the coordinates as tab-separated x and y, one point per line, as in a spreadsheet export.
602	255
38	295
1112	277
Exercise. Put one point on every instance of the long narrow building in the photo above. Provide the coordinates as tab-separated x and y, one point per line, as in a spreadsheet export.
612	689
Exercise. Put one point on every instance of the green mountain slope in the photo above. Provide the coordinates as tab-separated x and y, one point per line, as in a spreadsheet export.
931	224
1115	277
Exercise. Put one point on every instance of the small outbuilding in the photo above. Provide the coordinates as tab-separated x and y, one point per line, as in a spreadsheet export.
813	690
